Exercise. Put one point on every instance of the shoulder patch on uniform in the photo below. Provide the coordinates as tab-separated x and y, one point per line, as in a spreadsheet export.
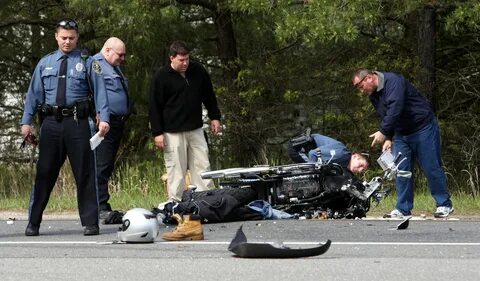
96	67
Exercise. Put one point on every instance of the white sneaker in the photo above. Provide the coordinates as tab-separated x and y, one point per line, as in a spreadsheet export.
443	212
395	214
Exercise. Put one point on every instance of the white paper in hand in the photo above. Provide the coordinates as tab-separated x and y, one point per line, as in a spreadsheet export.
95	140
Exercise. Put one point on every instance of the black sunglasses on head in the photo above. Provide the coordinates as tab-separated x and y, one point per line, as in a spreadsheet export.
67	24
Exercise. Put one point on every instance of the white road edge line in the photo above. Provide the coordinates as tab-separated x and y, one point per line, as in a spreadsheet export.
227	243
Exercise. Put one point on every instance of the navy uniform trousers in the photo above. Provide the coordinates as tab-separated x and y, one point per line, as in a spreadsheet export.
106	153
59	139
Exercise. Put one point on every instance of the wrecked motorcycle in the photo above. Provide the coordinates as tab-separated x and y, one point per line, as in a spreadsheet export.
313	190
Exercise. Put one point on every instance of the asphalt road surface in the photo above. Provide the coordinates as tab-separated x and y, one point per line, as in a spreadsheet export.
436	250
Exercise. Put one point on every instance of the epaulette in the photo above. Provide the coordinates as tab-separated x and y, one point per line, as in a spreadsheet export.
49	54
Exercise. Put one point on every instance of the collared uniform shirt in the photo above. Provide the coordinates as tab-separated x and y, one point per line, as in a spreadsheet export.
44	83
116	86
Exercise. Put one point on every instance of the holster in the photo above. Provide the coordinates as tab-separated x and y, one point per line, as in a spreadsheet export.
85	109
40	114
92	110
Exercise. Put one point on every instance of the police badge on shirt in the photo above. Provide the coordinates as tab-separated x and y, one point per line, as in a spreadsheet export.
79	67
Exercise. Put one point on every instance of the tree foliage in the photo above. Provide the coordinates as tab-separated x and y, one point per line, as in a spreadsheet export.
278	66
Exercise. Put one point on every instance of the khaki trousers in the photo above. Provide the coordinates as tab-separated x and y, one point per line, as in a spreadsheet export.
186	150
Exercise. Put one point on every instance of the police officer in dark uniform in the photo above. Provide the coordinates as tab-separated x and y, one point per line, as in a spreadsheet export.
61	89
110	58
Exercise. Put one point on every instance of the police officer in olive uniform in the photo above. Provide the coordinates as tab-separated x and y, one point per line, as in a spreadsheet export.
110	58
60	91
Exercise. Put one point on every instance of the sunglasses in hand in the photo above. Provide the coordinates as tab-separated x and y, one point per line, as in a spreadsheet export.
30	138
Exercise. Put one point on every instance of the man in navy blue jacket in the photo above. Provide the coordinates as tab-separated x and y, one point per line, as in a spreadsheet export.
408	120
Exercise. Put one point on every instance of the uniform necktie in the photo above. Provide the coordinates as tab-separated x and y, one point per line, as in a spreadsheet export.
62	82
122	79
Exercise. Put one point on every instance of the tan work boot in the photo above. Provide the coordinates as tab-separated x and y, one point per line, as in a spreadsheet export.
188	229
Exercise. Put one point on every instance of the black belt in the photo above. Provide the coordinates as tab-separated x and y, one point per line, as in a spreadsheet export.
61	111
122	118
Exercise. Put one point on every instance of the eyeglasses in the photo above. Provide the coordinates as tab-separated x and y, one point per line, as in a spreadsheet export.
67	24
357	85
118	54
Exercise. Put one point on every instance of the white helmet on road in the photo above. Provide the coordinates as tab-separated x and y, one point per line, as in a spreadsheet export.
139	226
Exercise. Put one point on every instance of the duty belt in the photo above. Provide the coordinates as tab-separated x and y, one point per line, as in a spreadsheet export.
79	111
122	118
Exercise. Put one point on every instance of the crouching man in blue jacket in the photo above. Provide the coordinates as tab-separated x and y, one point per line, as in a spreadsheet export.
329	150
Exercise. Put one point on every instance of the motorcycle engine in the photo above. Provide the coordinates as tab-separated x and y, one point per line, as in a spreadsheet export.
298	187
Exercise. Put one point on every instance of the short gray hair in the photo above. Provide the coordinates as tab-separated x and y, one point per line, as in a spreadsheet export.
361	73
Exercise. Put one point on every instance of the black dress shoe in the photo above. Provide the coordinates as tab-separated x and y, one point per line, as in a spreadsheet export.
32	230
91	230
104	214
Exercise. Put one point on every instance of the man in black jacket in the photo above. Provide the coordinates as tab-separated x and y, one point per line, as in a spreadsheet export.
178	91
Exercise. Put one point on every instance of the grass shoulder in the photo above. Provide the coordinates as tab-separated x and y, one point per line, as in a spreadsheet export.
465	205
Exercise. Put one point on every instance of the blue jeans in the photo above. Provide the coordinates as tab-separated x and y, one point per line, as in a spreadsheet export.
422	146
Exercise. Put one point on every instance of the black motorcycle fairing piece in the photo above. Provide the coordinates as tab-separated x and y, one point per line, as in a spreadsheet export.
240	247
404	224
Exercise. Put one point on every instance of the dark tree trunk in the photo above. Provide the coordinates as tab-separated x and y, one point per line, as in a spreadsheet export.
240	138
227	46
426	34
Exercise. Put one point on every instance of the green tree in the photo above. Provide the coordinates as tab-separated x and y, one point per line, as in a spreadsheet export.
277	66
